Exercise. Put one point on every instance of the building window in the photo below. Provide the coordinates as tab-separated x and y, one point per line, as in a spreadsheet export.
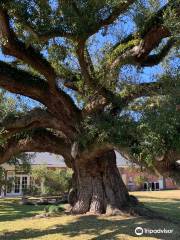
17	185
151	186
157	185
10	181
24	183
145	186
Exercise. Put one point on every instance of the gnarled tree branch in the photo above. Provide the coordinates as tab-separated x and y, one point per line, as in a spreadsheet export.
135	48
36	118
33	143
155	59
22	82
112	16
138	53
142	90
134	91
12	46
135	51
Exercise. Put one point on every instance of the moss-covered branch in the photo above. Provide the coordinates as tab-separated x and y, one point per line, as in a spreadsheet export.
136	47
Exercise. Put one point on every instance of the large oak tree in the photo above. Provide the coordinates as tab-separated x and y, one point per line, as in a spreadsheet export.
89	104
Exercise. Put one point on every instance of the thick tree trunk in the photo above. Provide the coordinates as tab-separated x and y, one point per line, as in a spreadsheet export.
98	187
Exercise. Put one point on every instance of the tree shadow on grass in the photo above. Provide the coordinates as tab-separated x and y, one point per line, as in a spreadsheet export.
168	209
12	210
162	205
97	228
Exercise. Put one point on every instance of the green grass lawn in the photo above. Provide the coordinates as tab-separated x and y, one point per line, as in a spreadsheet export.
11	210
166	202
16	222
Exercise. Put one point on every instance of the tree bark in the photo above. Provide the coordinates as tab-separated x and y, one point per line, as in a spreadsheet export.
98	187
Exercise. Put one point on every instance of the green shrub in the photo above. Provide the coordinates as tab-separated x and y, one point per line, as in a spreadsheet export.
140	179
55	182
54	209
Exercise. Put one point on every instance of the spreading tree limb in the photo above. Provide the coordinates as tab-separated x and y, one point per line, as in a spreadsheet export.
114	13
22	82
36	118
132	92
12	46
33	143
136	47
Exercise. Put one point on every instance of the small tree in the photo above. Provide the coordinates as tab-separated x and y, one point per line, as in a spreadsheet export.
139	180
2	180
55	182
5	184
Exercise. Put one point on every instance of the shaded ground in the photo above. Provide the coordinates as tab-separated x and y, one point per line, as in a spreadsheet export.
10	210
166	202
89	227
